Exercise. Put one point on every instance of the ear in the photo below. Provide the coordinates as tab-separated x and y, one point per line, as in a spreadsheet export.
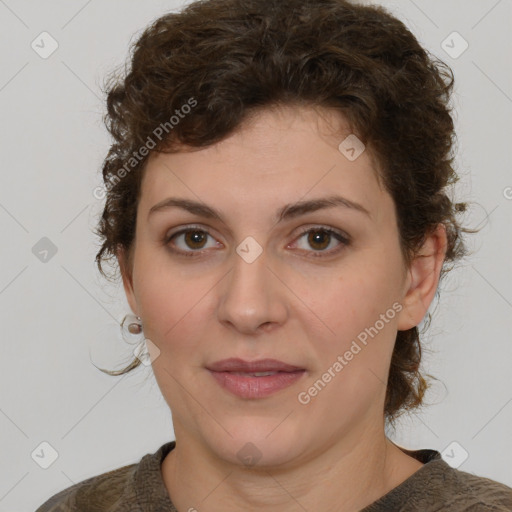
126	274
422	279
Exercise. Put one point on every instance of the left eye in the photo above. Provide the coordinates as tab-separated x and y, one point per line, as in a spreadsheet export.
319	239
194	239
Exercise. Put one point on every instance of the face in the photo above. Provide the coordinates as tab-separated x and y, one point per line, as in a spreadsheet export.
323	289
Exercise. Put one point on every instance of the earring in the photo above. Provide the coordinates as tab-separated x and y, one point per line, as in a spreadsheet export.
131	325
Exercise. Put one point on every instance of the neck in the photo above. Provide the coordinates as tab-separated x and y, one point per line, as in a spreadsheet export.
345	477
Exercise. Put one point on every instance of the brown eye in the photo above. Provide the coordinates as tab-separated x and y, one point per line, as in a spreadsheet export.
195	239
319	239
188	241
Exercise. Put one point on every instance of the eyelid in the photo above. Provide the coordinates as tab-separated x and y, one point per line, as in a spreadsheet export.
341	236
188	227
321	227
166	239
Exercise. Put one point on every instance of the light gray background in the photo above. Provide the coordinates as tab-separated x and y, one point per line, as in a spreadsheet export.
56	316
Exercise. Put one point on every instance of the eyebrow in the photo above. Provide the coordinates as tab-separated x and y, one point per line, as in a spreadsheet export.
288	211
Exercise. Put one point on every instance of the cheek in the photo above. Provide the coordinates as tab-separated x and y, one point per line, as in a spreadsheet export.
169	304
358	312
355	298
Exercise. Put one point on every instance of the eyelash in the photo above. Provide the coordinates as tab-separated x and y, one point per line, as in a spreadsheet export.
345	240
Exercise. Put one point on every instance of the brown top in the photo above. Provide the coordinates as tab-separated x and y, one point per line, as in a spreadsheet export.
140	488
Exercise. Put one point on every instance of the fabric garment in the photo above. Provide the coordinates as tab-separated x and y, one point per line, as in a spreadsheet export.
140	488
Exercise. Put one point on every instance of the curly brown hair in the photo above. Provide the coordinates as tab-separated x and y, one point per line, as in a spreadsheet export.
226	59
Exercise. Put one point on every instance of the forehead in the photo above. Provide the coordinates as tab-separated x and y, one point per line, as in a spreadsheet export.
286	153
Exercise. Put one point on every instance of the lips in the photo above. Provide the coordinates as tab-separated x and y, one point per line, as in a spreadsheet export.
235	365
255	379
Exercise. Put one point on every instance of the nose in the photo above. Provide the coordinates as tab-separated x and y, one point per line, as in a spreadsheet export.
252	296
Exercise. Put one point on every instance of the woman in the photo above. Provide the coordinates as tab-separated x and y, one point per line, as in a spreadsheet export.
276	201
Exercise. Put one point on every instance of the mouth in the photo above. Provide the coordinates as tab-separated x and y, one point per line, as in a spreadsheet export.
254	379
260	366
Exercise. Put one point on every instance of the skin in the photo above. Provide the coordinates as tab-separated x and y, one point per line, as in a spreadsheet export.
332	453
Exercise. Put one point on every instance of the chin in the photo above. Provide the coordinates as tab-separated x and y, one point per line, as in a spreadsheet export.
257	443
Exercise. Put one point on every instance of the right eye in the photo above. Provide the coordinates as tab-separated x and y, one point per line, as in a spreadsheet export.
193	238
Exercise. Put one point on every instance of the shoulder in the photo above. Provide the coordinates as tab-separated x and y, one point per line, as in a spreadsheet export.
117	490
438	487
480	494
100	492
